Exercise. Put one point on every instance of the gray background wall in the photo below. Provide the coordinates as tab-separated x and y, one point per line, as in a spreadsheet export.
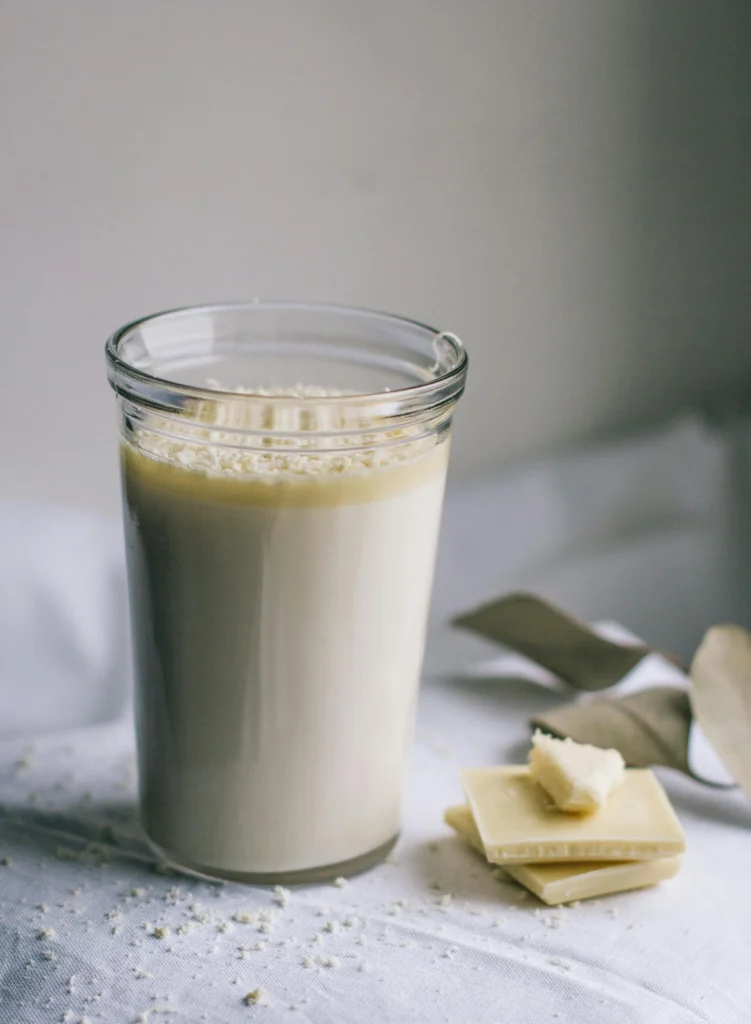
563	183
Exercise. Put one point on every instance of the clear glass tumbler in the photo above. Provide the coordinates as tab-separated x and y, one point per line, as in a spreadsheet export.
283	469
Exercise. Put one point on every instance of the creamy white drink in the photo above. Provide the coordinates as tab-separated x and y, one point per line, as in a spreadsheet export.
279	609
281	538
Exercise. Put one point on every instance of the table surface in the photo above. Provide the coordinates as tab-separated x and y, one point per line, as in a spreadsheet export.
430	935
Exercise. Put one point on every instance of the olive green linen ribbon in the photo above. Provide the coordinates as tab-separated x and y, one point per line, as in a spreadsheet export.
651	726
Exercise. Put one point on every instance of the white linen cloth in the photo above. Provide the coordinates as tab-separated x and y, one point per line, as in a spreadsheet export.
651	533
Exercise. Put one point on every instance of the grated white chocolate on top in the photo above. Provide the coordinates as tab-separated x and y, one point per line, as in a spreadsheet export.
241	439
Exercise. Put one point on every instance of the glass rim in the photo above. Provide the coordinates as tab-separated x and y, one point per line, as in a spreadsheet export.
451	380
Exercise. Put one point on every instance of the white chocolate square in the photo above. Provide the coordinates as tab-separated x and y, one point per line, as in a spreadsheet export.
572	880
519	824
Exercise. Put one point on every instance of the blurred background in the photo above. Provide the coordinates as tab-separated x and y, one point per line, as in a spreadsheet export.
564	183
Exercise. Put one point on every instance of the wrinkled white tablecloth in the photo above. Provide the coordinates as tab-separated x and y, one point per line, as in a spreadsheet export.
652	533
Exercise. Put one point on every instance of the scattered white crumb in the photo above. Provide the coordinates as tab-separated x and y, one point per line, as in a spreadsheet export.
329	961
225	926
557	962
245	951
161	932
264	927
340	882
46	933
332	927
350	922
49	955
282	895
266	915
245	916
318	938
308	961
185	928
42	908
113	915
257	997
141	973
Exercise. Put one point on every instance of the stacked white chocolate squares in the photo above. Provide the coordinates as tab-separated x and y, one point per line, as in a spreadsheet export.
573	824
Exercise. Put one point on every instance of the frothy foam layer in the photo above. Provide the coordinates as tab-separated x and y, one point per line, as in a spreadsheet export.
240	442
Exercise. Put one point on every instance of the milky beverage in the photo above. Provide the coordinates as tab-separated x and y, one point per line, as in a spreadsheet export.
279	607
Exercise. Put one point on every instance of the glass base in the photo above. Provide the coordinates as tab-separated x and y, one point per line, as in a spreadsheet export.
305	876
